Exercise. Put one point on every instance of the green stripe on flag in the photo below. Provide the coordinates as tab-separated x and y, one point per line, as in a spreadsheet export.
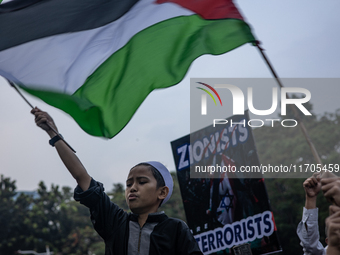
157	57
87	115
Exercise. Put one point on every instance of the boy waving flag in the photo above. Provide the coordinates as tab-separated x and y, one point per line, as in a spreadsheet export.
98	60
149	185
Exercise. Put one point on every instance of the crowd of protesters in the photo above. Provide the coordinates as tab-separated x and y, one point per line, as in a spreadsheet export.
308	228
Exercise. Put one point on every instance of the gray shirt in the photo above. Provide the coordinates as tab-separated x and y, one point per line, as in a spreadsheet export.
139	237
308	232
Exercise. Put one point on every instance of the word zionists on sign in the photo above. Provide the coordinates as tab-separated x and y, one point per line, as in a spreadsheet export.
224	205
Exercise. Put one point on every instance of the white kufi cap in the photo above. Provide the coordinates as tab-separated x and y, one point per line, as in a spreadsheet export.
166	176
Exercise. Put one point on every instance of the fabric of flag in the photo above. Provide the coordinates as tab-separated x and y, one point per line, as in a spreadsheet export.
98	60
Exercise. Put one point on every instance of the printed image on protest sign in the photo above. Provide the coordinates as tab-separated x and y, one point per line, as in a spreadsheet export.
224	207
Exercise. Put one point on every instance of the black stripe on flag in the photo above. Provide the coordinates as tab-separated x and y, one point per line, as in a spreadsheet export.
27	20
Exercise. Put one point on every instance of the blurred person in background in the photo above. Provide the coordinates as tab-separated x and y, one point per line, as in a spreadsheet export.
308	228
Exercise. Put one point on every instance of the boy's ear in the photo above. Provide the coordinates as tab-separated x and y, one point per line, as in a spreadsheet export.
163	192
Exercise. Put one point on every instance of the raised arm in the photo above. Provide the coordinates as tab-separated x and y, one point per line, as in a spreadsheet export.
312	188
308	228
70	160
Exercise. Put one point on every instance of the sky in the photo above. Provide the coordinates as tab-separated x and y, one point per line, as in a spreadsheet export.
301	41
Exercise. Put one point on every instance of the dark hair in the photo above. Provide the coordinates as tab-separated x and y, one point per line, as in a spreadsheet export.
159	178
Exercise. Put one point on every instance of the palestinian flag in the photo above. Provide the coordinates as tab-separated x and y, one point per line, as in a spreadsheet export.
98	60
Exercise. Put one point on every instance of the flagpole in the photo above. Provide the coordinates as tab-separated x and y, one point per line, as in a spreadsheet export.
296	114
17	90
55	131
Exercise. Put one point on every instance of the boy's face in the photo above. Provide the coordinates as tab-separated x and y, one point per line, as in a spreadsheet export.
141	194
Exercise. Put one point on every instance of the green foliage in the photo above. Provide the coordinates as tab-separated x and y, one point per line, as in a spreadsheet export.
117	195
11	214
52	219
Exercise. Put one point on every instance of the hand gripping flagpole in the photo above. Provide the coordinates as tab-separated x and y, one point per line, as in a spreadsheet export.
296	114
55	131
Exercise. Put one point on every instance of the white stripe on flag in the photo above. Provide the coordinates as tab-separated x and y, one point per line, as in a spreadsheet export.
62	63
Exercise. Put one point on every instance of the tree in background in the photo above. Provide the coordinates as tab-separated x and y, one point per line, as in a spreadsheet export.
52	218
15	231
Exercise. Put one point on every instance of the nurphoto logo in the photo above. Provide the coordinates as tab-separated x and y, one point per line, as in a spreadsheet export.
216	91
